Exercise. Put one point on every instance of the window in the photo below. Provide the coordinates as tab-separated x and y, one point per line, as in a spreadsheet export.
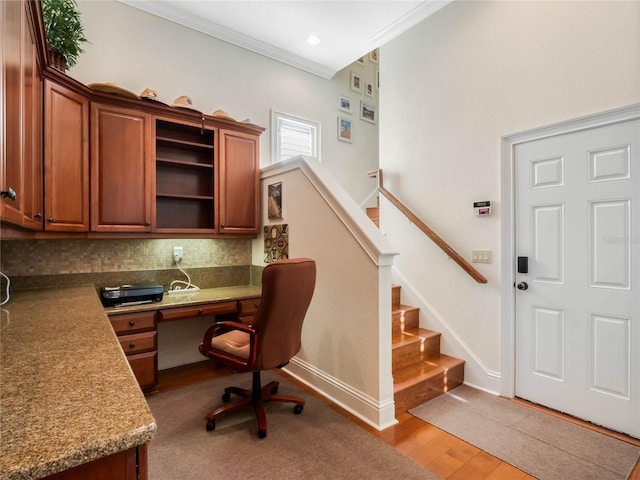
293	136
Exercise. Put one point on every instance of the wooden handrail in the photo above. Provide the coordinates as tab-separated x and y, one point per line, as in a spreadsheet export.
444	246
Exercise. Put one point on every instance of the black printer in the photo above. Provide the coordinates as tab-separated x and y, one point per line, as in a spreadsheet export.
125	295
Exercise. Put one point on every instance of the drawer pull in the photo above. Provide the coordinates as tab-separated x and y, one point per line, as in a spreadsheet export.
132	345
200	312
132	323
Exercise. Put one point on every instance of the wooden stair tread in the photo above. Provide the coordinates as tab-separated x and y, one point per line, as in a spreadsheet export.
403	308
412	336
423	370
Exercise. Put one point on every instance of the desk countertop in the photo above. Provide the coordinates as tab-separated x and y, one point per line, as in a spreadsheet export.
206	295
68	395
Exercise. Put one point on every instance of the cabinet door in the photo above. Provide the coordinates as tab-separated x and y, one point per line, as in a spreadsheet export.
21	157
121	176
239	187
66	159
32	130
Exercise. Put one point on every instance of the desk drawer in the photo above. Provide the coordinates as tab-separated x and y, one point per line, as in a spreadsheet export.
145	368
139	342
248	306
133	322
196	311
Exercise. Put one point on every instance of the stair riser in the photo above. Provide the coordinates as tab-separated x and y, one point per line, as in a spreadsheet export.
421	392
405	320
422	349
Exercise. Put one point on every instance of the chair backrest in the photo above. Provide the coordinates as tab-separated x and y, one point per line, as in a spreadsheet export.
287	288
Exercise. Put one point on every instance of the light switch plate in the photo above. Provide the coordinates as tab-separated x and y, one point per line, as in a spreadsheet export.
481	256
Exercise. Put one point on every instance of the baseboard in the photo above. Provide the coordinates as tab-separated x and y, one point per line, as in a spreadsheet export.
379	415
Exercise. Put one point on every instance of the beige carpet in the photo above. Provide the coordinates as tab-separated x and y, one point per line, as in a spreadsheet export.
317	444
542	445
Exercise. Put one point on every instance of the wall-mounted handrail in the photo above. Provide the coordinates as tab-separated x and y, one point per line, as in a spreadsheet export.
444	246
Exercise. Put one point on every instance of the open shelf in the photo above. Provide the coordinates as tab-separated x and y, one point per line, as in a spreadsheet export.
184	177
183	134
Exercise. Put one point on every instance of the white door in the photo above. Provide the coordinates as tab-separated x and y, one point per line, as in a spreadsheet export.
577	218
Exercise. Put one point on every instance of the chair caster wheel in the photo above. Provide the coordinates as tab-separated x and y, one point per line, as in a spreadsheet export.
211	425
226	397
274	390
298	409
262	433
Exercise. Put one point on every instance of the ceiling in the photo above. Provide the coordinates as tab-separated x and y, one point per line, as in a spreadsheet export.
279	30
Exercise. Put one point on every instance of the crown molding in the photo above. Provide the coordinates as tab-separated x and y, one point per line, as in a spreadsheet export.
168	12
409	20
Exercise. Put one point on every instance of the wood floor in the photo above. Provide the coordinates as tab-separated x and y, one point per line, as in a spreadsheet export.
437	451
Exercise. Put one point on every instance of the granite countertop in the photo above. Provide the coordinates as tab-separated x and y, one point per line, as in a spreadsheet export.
67	393
205	295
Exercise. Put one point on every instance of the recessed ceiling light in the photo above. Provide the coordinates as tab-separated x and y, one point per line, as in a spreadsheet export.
313	40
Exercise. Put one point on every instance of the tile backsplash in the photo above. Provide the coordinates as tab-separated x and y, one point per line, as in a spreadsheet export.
30	263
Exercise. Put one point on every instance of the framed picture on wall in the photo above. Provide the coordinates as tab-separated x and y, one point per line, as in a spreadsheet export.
345	126
373	56
368	112
344	104
356	82
274	205
368	89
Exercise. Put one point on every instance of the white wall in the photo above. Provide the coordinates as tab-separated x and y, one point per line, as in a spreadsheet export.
137	50
346	337
451	87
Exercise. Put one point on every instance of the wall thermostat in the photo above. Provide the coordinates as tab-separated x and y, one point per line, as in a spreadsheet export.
482	208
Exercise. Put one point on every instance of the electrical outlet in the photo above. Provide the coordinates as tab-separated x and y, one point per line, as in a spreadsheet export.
178	254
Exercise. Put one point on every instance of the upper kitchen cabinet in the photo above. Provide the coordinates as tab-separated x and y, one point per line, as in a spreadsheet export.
21	115
239	183
121	169
66	159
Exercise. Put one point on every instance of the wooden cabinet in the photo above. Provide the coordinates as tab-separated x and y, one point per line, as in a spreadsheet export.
121	173
21	117
138	337
138	332
130	464
66	159
81	161
239	187
185	156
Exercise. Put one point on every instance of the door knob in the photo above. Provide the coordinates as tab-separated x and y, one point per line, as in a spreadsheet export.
523	286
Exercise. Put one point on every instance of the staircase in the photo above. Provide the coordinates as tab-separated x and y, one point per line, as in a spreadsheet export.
420	371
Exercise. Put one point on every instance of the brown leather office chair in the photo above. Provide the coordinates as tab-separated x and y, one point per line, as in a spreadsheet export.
272	339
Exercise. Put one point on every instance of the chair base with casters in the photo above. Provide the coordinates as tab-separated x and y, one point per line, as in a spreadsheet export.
257	396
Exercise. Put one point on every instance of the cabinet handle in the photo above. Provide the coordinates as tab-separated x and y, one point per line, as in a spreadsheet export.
132	323
50	220
10	193
38	216
200	312
147	224
132	345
